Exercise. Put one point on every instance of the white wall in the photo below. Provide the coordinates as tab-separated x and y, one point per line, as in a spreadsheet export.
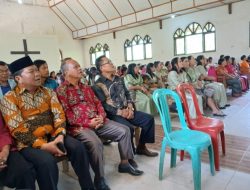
42	29
232	34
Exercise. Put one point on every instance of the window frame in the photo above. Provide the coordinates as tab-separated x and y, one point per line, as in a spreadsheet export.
179	34
193	29
98	48
137	40
208	28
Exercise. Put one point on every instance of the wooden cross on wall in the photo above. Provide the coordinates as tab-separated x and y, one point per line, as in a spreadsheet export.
25	52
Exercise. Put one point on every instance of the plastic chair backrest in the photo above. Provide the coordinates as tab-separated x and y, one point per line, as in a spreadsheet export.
182	90
160	99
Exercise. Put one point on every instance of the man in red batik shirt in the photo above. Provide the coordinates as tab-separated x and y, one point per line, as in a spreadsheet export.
87	120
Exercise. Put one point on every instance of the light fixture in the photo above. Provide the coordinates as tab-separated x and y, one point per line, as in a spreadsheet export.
172	16
20	1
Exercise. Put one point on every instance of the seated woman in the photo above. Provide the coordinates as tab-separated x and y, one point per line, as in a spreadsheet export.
231	70
244	66
176	76
236	67
231	80
15	171
201	88
140	95
160	73
219	96
154	81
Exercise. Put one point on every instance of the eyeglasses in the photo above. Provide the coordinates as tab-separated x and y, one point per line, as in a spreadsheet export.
109	62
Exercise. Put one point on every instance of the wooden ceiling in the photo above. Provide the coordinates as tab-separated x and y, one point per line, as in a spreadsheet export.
88	18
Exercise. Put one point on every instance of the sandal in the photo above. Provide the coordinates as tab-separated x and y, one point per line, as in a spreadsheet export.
219	114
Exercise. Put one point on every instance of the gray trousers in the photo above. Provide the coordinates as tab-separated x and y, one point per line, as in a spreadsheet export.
111	130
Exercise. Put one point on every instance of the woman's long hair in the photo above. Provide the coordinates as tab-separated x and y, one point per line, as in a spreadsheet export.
149	71
131	70
174	63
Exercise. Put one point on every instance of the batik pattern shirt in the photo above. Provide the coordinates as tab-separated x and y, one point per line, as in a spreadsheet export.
32	118
80	106
113	94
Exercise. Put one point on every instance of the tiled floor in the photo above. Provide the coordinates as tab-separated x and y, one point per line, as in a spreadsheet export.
234	174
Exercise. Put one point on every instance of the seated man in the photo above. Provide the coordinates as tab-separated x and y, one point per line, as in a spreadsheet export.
87	120
15	171
6	84
42	67
36	121
118	105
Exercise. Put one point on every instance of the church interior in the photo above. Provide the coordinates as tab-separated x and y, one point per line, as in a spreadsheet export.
143	32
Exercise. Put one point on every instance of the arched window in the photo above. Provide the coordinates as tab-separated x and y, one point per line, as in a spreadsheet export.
193	38
128	50
138	48
179	42
98	51
147	47
209	37
106	50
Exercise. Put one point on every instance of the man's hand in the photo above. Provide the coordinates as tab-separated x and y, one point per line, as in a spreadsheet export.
130	114
52	148
125	113
4	156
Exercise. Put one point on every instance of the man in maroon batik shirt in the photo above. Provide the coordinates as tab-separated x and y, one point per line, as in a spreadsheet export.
87	120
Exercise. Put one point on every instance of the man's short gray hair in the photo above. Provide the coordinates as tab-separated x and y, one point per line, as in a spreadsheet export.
64	64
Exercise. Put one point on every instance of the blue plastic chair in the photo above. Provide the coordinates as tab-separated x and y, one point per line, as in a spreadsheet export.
185	139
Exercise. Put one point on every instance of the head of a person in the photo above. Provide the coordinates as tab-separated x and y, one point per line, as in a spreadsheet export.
42	67
168	65
210	60
158	65
105	65
133	70
233	60
71	69
52	75
25	73
4	72
185	62
150	69
222	62
201	60
191	61
177	64
243	58
228	59
222	56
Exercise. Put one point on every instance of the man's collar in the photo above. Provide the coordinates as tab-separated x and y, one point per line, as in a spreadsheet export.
67	83
103	78
20	90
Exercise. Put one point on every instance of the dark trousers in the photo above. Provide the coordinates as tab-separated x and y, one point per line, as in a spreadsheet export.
19	173
46	165
143	120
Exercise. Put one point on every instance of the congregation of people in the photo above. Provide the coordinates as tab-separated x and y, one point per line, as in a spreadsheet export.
47	116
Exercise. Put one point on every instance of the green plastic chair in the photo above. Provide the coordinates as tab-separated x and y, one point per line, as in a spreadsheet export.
190	141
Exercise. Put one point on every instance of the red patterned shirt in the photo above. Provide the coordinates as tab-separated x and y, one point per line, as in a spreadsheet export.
80	105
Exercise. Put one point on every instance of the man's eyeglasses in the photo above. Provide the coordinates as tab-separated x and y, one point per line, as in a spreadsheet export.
108	62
